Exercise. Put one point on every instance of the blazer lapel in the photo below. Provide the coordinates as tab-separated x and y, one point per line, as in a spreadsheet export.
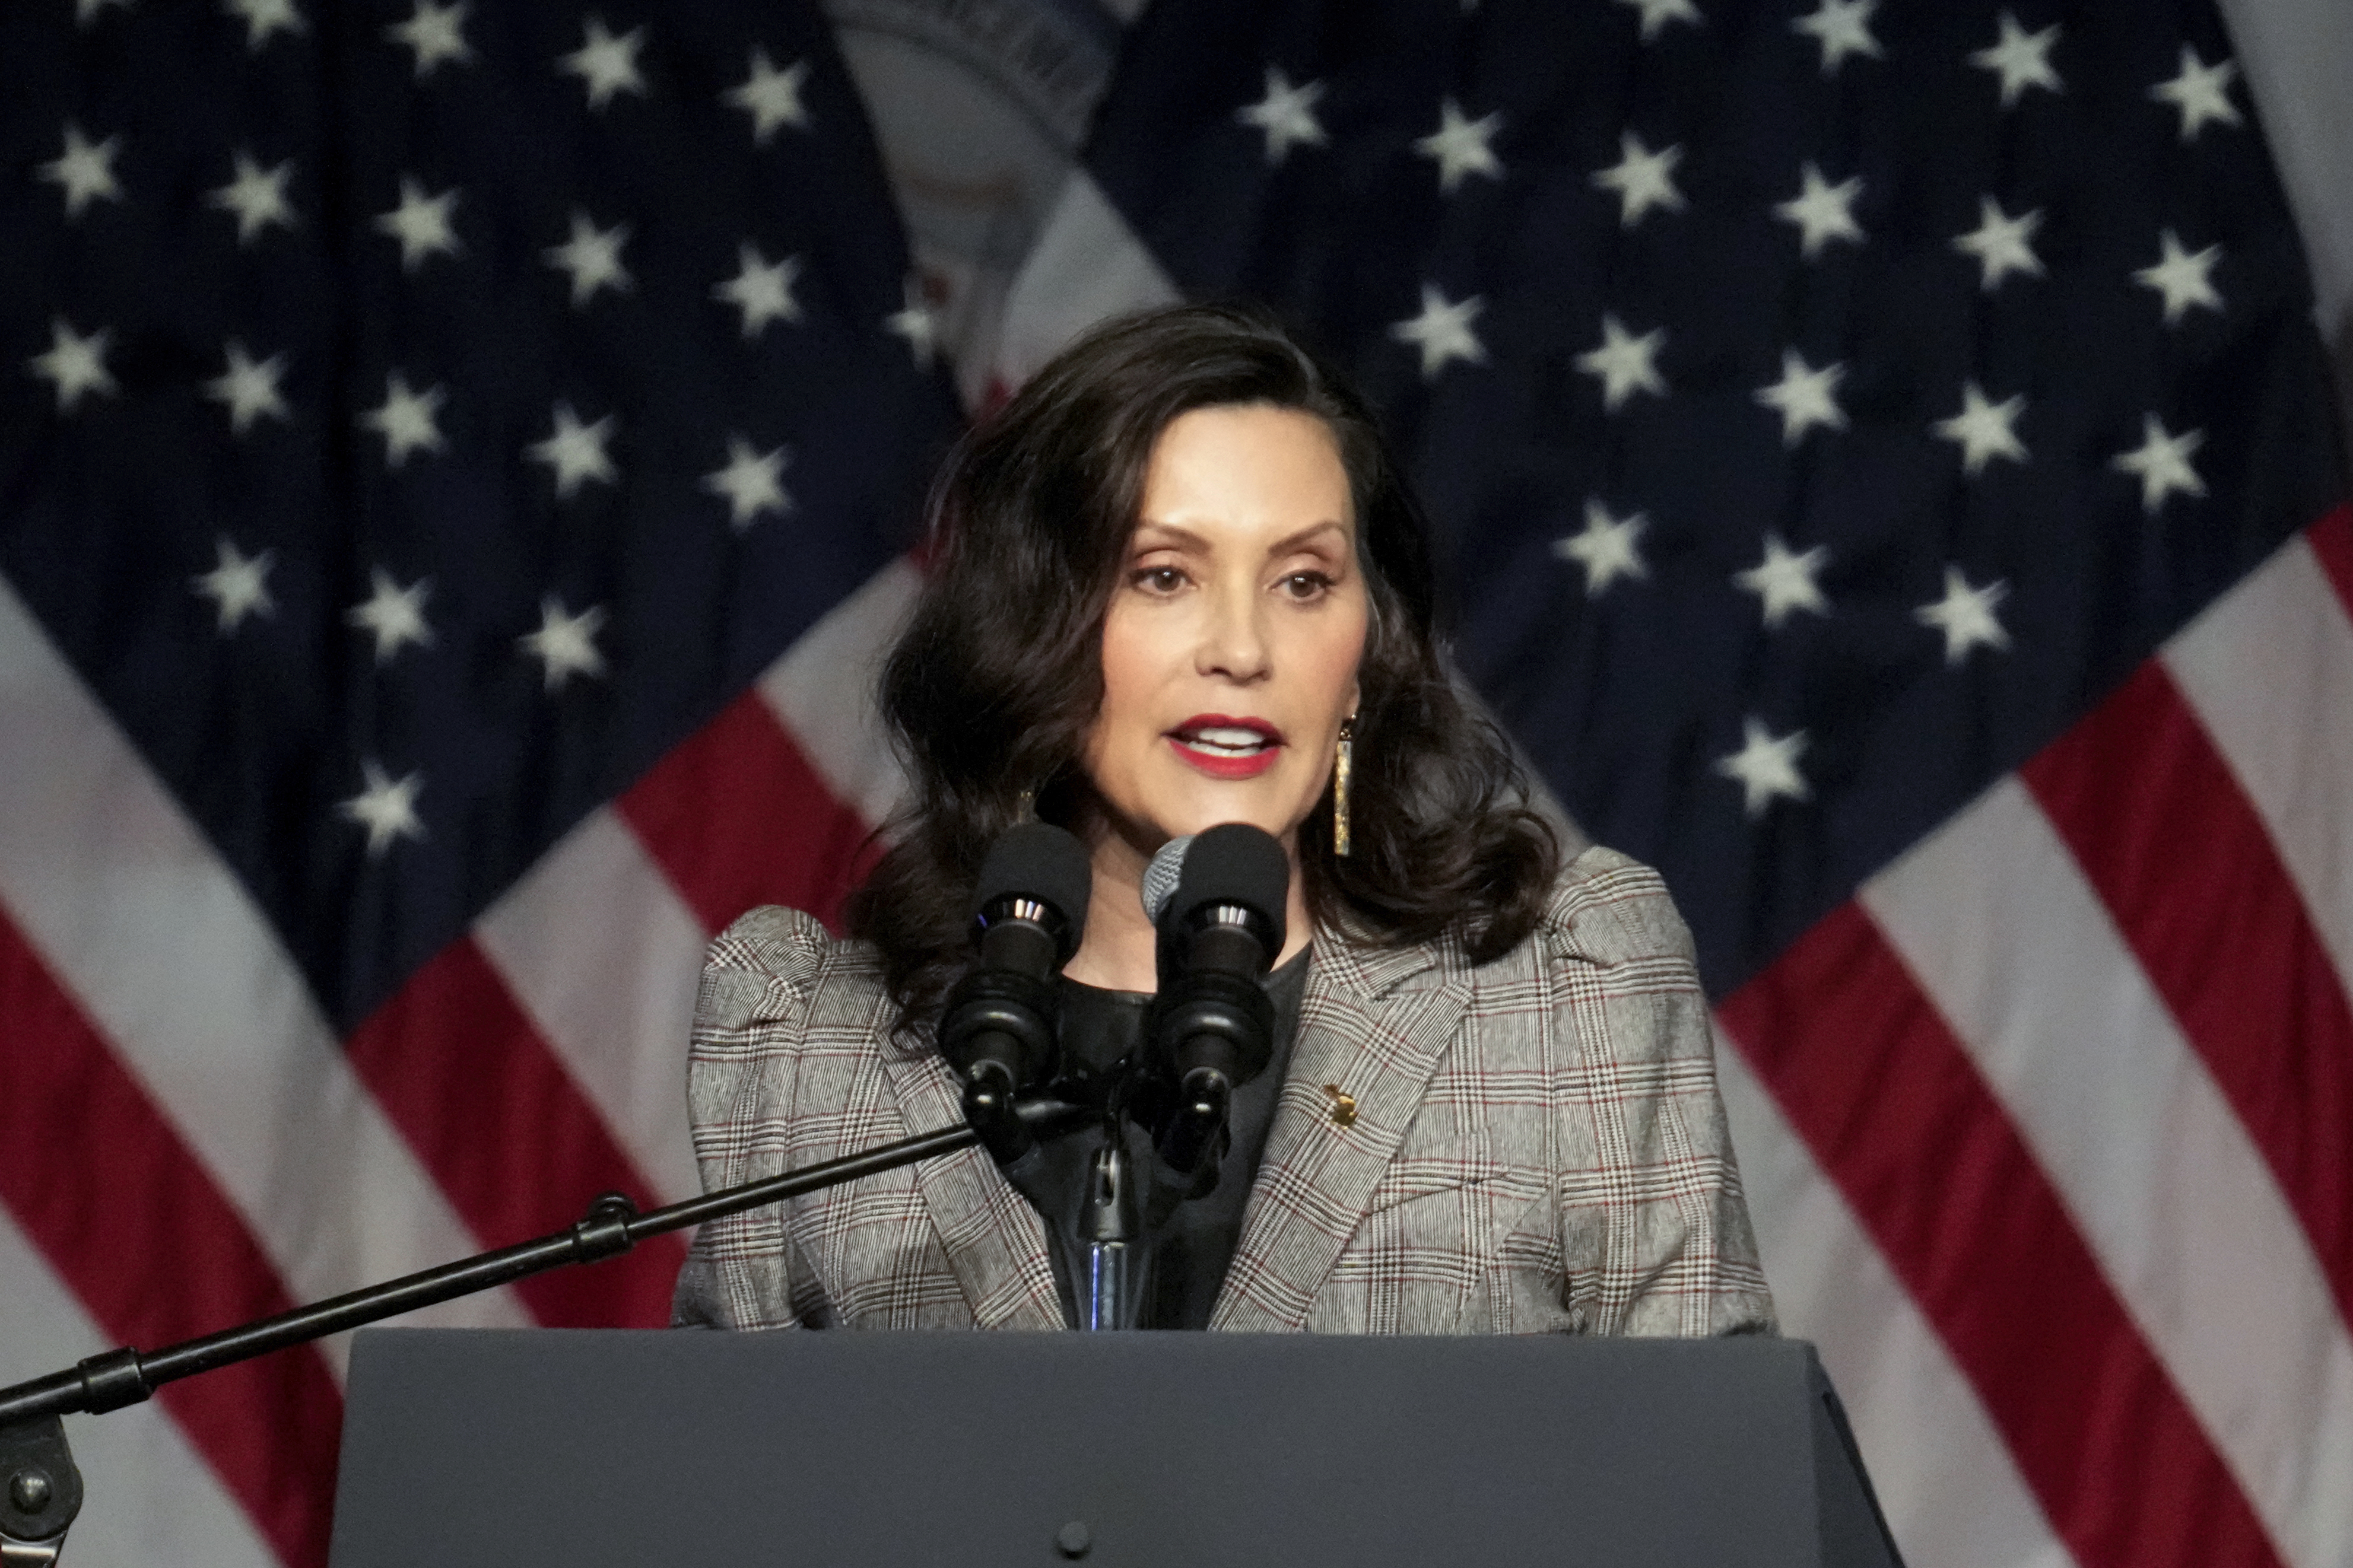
1374	1025
995	1242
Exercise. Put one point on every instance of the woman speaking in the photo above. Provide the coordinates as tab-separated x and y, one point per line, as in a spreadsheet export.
1177	582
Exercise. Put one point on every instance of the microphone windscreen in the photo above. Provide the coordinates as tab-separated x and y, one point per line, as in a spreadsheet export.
1235	863
1160	877
1037	860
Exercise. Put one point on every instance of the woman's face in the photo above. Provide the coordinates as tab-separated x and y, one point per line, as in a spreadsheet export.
1230	647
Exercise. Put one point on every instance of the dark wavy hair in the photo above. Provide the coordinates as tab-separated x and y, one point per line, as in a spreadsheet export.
996	680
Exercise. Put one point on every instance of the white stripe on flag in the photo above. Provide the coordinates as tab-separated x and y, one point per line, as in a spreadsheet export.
2268	669
1086	264
172	962
149	1497
597	949
1945	1476
822	689
1994	918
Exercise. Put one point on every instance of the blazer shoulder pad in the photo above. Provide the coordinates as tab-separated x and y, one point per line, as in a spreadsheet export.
771	954
1609	909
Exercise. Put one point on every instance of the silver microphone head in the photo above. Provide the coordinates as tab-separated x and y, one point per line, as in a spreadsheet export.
1160	877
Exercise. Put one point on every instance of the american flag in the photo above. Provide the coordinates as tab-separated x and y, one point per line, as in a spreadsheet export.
455	461
1886	473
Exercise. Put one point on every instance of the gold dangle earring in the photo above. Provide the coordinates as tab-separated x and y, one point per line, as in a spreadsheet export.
1340	765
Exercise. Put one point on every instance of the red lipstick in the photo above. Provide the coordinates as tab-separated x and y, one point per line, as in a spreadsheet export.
1227	748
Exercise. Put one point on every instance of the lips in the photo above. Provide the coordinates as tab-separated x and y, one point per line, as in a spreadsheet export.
1227	748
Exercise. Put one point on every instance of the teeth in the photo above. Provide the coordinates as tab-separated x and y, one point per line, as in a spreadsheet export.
1222	739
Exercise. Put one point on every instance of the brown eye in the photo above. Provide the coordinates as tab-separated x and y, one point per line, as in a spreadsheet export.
1158	579
1305	586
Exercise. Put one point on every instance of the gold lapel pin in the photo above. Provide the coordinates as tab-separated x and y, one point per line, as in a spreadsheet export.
1344	1106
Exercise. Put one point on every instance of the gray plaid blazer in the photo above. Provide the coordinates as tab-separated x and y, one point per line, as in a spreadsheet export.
1538	1144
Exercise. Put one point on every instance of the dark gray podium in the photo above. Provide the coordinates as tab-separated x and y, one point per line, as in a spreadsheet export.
587	1448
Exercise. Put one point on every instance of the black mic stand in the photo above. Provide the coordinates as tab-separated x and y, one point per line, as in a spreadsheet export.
40	1488
1109	1293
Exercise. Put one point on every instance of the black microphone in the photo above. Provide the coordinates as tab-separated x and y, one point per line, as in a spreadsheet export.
1001	1031
1212	1026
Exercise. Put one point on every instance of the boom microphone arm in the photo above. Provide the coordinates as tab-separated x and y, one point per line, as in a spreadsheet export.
40	1488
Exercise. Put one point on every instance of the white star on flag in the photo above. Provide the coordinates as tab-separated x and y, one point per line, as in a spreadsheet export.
565	644
752	482
771	97
1608	548
407	420
265	19
1785	581
605	64
256	194
1462	146
2162	463
1842	27
575	451
2186	278
1804	396
1442	331
84	170
918	323
1964	615
74	365
239	585
2022	59
1821	211
1642	179
249	390
392	614
1999	243
1984	430
1657	14
1287	115
385	806
761	289
1625	363
2201	92
592	257
421	224
437	33
1765	766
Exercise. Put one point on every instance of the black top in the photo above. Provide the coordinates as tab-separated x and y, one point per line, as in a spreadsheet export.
1187	1241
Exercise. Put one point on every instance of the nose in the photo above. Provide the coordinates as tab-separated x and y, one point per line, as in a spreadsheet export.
1233	635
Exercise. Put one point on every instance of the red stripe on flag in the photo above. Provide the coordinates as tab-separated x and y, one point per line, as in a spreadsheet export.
2176	851
520	1151
104	1186
2332	540
1872	1079
736	818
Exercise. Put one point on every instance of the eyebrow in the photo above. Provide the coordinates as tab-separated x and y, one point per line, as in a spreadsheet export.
1283	546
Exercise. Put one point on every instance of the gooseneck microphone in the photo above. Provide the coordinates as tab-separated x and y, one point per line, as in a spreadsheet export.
1000	1030
1211	1028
